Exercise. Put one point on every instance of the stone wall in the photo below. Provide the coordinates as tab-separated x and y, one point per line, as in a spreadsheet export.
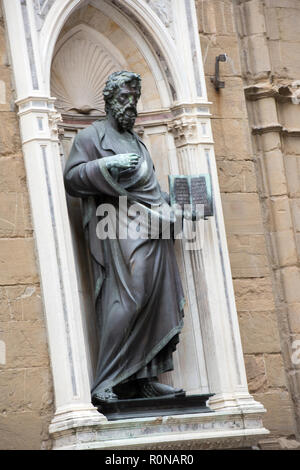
26	398
257	144
263	322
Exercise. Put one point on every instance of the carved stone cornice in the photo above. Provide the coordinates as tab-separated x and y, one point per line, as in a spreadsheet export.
273	127
282	92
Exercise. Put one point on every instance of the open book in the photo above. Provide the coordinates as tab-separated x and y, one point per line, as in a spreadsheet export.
191	190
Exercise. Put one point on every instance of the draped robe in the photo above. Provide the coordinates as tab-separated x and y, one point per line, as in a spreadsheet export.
138	292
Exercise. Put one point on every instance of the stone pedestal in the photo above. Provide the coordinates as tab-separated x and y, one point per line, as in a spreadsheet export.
216	430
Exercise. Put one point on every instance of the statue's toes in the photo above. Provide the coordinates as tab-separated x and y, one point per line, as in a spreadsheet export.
152	388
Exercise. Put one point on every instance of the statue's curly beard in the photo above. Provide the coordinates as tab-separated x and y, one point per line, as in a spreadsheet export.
124	115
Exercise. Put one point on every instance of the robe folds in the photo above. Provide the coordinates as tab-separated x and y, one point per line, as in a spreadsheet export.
138	292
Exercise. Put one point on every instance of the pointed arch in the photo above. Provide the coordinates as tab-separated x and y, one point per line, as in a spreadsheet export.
144	27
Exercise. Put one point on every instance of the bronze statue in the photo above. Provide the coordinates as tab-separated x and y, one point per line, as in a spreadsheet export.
138	293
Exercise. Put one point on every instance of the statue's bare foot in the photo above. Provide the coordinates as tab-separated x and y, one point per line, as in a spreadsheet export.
146	388
103	396
151	388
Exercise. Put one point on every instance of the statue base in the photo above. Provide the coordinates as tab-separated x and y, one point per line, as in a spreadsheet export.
157	406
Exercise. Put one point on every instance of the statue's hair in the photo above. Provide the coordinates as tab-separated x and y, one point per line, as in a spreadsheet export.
116	80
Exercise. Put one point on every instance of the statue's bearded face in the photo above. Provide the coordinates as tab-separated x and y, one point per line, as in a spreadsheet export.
123	105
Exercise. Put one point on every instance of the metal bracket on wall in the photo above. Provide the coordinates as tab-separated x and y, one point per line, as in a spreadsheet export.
216	79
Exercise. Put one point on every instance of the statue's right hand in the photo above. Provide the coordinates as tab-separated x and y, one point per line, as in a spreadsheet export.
122	161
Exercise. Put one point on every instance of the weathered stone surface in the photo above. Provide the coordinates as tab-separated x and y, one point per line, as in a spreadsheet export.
288	21
242	213
279	418
14	217
9	134
232	139
224	17
270	141
275	370
26	344
248	256
285	250
258	56
294	317
23	430
21	268
216	45
38	391
295	207
20	303
25	379
206	16
259	332
278	3
256	373
253	294
291	145
230	101
5	89
12	174
266	112
289	68
288	444
291	283
237	177
276	174
12	390
255	18
281	214
292	164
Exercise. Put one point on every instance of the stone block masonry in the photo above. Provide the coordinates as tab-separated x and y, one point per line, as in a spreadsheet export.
26	397
251	234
